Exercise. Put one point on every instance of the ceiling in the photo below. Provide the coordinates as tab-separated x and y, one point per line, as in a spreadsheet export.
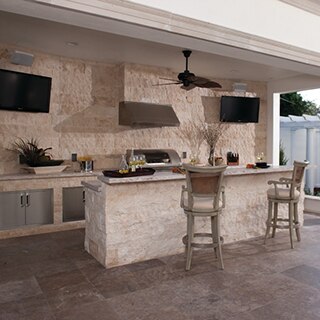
52	37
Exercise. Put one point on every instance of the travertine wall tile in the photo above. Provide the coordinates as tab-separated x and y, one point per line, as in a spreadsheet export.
83	116
144	220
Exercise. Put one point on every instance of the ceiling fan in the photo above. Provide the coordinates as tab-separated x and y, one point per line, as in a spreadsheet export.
190	80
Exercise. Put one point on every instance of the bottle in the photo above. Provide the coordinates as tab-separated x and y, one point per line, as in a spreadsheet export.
132	161
123	167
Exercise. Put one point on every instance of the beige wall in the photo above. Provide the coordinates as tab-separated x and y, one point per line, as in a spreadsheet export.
83	114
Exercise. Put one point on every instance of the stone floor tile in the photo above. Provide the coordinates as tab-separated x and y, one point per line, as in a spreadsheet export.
110	286
242	316
209	307
69	297
256	293
144	265
154	299
55	266
165	313
305	274
217	281
91	311
15	272
110	282
32	308
50	284
52	277
304	305
19	289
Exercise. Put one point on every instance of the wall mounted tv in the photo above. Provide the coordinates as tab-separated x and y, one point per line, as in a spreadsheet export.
239	109
24	92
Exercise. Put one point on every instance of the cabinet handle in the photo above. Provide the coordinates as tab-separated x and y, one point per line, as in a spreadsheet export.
83	196
27	200
21	200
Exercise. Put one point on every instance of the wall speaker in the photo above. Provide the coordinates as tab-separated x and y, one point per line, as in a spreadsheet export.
239	87
21	58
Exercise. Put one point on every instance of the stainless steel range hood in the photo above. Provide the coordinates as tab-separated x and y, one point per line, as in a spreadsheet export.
147	115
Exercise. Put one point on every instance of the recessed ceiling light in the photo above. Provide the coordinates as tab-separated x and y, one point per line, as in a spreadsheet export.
72	43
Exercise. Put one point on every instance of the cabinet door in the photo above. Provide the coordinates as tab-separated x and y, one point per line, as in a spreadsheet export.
39	206
73	203
12	210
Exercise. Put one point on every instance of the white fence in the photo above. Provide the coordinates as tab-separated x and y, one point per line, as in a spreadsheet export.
300	137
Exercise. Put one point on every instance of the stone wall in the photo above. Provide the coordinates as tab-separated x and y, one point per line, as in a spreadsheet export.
83	116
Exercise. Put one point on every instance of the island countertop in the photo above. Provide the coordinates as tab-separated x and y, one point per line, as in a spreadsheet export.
167	175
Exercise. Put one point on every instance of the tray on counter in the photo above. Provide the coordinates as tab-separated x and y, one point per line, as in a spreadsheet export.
45	170
137	173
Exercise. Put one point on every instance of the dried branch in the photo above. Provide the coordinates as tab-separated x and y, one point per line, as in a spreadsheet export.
191	133
211	132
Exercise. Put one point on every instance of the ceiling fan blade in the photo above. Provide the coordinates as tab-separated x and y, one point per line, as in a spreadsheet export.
165	84
168	79
208	84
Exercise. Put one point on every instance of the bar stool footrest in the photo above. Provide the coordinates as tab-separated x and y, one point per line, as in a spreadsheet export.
202	245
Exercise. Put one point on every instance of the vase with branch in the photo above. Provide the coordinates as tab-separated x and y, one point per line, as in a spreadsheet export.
211	133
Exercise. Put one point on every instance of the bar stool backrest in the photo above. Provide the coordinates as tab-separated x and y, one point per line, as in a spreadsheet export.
205	182
297	175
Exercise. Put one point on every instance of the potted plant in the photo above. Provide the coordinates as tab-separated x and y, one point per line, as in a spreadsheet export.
30	153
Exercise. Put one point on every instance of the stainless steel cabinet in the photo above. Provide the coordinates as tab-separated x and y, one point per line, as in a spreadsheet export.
73	201
19	208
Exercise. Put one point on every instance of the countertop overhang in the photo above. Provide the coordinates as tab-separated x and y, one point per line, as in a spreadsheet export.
168	175
162	175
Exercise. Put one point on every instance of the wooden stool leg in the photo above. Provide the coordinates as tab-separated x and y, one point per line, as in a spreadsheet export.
215	229
190	228
296	221
268	222
275	220
291	223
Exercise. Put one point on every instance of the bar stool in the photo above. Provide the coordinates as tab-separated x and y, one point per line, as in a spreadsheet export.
203	197
286	191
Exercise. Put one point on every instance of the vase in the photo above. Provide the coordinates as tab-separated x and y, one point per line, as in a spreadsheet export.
211	159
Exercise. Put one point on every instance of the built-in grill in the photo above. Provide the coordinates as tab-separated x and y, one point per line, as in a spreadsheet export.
158	158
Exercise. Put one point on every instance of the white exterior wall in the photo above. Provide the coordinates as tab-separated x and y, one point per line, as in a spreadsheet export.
270	19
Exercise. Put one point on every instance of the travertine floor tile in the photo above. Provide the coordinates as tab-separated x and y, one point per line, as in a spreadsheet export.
51	277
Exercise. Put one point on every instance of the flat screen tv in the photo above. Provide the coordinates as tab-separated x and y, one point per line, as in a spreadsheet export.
239	109
24	92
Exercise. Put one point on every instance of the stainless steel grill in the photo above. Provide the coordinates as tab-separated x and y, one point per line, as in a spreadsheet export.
158	158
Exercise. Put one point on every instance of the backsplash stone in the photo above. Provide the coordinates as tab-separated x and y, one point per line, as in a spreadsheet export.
83	116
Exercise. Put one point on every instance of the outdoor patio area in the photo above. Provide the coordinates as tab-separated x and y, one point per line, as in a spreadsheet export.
50	276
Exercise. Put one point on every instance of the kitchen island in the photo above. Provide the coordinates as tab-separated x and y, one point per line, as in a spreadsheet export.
139	218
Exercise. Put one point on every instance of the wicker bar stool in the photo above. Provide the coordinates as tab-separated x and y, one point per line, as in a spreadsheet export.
203	197
286	191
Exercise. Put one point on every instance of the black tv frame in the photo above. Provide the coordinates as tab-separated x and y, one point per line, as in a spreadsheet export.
24	92
239	109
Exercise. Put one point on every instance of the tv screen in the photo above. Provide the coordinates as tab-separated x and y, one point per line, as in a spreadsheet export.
24	92
239	109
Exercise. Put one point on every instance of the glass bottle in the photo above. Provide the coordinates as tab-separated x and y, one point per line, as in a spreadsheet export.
123	167
132	161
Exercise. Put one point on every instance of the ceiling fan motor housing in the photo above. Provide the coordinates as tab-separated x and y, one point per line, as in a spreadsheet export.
184	77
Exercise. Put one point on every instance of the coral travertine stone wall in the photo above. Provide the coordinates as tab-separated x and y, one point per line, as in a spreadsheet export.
83	116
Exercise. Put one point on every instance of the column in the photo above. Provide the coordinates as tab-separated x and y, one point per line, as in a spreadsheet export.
310	154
